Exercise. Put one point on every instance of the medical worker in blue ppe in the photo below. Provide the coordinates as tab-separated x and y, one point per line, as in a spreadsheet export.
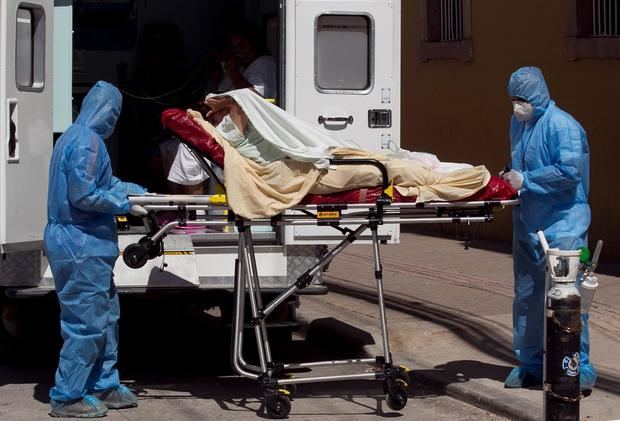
550	170
81	246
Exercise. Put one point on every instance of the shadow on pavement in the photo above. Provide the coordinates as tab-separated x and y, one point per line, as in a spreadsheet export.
482	336
187	357
464	370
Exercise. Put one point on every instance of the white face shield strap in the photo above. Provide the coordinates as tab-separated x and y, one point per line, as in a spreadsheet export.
523	111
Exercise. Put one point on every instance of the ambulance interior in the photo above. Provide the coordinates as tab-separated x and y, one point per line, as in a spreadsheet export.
160	54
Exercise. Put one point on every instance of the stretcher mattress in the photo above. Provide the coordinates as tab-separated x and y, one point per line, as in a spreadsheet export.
187	130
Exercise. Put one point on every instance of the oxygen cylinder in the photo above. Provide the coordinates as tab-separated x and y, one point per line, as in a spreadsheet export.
562	393
586	291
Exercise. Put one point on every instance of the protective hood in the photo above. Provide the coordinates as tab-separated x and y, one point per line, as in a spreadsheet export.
529	84
100	109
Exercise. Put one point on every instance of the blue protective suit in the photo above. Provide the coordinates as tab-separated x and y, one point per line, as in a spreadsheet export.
81	246
551	151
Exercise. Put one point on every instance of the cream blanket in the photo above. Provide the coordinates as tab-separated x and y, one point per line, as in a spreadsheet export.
255	191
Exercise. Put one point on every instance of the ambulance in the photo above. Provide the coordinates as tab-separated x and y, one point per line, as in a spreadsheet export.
338	67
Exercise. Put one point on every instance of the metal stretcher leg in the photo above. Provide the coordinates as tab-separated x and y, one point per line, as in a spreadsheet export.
396	378
247	256
253	279
275	390
239	317
379	279
277	404
237	333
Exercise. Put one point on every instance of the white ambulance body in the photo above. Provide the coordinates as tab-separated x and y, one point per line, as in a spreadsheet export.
338	68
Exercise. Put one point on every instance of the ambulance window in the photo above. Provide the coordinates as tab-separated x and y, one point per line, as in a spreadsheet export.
30	48
343	60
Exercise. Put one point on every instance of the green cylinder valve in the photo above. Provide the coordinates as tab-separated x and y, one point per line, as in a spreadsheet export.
585	255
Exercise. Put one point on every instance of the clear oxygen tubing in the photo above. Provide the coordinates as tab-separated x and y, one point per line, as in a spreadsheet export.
588	285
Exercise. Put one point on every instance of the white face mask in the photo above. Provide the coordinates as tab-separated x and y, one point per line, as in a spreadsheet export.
524	111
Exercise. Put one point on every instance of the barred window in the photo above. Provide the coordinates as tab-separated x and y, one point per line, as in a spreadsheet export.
446	29
445	20
593	29
604	18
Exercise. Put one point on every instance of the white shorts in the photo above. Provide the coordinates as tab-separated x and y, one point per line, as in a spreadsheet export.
185	169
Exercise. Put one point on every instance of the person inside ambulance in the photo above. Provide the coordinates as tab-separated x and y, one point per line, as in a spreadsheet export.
81	245
247	65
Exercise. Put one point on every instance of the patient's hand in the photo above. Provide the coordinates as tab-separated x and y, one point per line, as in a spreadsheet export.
220	103
216	117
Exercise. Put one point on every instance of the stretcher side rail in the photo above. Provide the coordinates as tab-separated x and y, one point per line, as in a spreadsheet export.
155	199
395	213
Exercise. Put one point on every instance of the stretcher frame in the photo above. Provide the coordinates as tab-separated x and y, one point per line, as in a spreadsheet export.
269	373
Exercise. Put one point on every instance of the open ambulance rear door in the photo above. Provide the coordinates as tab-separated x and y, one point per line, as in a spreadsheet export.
343	75
26	137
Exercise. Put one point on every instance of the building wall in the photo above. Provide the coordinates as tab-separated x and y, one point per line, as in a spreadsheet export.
461	110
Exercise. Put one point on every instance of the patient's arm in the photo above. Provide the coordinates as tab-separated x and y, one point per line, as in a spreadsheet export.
228	105
237	115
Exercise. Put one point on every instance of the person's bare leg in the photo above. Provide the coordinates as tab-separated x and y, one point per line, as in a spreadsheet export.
197	189
174	188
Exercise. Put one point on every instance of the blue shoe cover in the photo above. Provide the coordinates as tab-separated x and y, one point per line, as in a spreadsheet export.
86	407
520	377
587	377
117	398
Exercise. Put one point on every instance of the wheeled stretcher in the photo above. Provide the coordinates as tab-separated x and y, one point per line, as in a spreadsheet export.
364	212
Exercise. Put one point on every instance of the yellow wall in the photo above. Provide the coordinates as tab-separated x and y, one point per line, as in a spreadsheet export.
461	111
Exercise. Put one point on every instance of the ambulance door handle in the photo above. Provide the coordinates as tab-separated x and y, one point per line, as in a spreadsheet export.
12	135
337	120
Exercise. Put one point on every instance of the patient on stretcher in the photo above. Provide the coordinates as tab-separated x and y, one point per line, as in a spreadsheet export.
233	125
272	160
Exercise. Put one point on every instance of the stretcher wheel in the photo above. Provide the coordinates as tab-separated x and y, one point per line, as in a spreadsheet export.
278	406
396	396
135	255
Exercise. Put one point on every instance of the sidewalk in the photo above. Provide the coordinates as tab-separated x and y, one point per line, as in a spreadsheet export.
449	313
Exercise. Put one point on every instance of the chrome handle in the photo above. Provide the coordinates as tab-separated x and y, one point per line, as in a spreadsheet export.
345	120
12	124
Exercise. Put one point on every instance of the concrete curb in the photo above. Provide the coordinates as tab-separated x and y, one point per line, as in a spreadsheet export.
499	402
476	394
